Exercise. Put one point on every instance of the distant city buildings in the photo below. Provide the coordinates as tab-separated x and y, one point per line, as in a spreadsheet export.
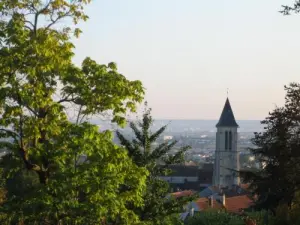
218	167
217	184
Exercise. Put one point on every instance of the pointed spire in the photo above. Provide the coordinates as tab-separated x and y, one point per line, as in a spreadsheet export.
227	118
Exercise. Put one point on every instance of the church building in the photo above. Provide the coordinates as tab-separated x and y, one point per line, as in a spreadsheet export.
226	153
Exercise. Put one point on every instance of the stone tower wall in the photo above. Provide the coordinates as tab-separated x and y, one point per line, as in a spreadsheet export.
226	158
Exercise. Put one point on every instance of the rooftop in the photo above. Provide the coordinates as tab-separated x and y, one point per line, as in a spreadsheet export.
237	203
203	204
232	204
227	118
183	170
229	192
186	193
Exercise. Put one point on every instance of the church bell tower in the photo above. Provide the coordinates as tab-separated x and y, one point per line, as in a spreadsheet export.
226	154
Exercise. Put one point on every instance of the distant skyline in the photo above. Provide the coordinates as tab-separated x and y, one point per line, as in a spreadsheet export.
187	53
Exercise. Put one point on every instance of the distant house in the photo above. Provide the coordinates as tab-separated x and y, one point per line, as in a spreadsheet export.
205	175
189	177
202	204
215	191
185	193
230	204
237	203
182	174
232	200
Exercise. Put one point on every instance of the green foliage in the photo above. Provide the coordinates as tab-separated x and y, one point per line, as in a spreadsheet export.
278	149
172	220
158	207
286	215
262	217
214	218
99	179
142	150
98	88
40	89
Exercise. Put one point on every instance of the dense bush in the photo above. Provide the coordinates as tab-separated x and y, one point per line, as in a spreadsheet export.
225	218
214	218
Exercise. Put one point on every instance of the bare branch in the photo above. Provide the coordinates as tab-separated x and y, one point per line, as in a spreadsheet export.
21	131
13	134
29	28
66	99
54	21
84	115
79	112
30	23
38	13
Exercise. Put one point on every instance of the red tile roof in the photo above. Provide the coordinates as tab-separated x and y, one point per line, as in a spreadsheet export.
203	204
235	204
232	204
183	193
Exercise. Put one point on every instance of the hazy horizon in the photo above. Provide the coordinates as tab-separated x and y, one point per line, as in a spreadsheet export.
187	125
187	53
156	118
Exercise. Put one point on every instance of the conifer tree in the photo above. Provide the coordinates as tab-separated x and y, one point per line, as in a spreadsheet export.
278	150
158	207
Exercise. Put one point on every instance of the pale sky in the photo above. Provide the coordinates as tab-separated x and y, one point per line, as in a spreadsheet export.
188	52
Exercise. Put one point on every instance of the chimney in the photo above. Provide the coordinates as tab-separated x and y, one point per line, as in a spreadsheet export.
211	201
191	212
224	200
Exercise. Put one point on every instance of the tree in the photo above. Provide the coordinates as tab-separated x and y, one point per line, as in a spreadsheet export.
277	148
157	159
214	217
288	9
99	178
39	85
